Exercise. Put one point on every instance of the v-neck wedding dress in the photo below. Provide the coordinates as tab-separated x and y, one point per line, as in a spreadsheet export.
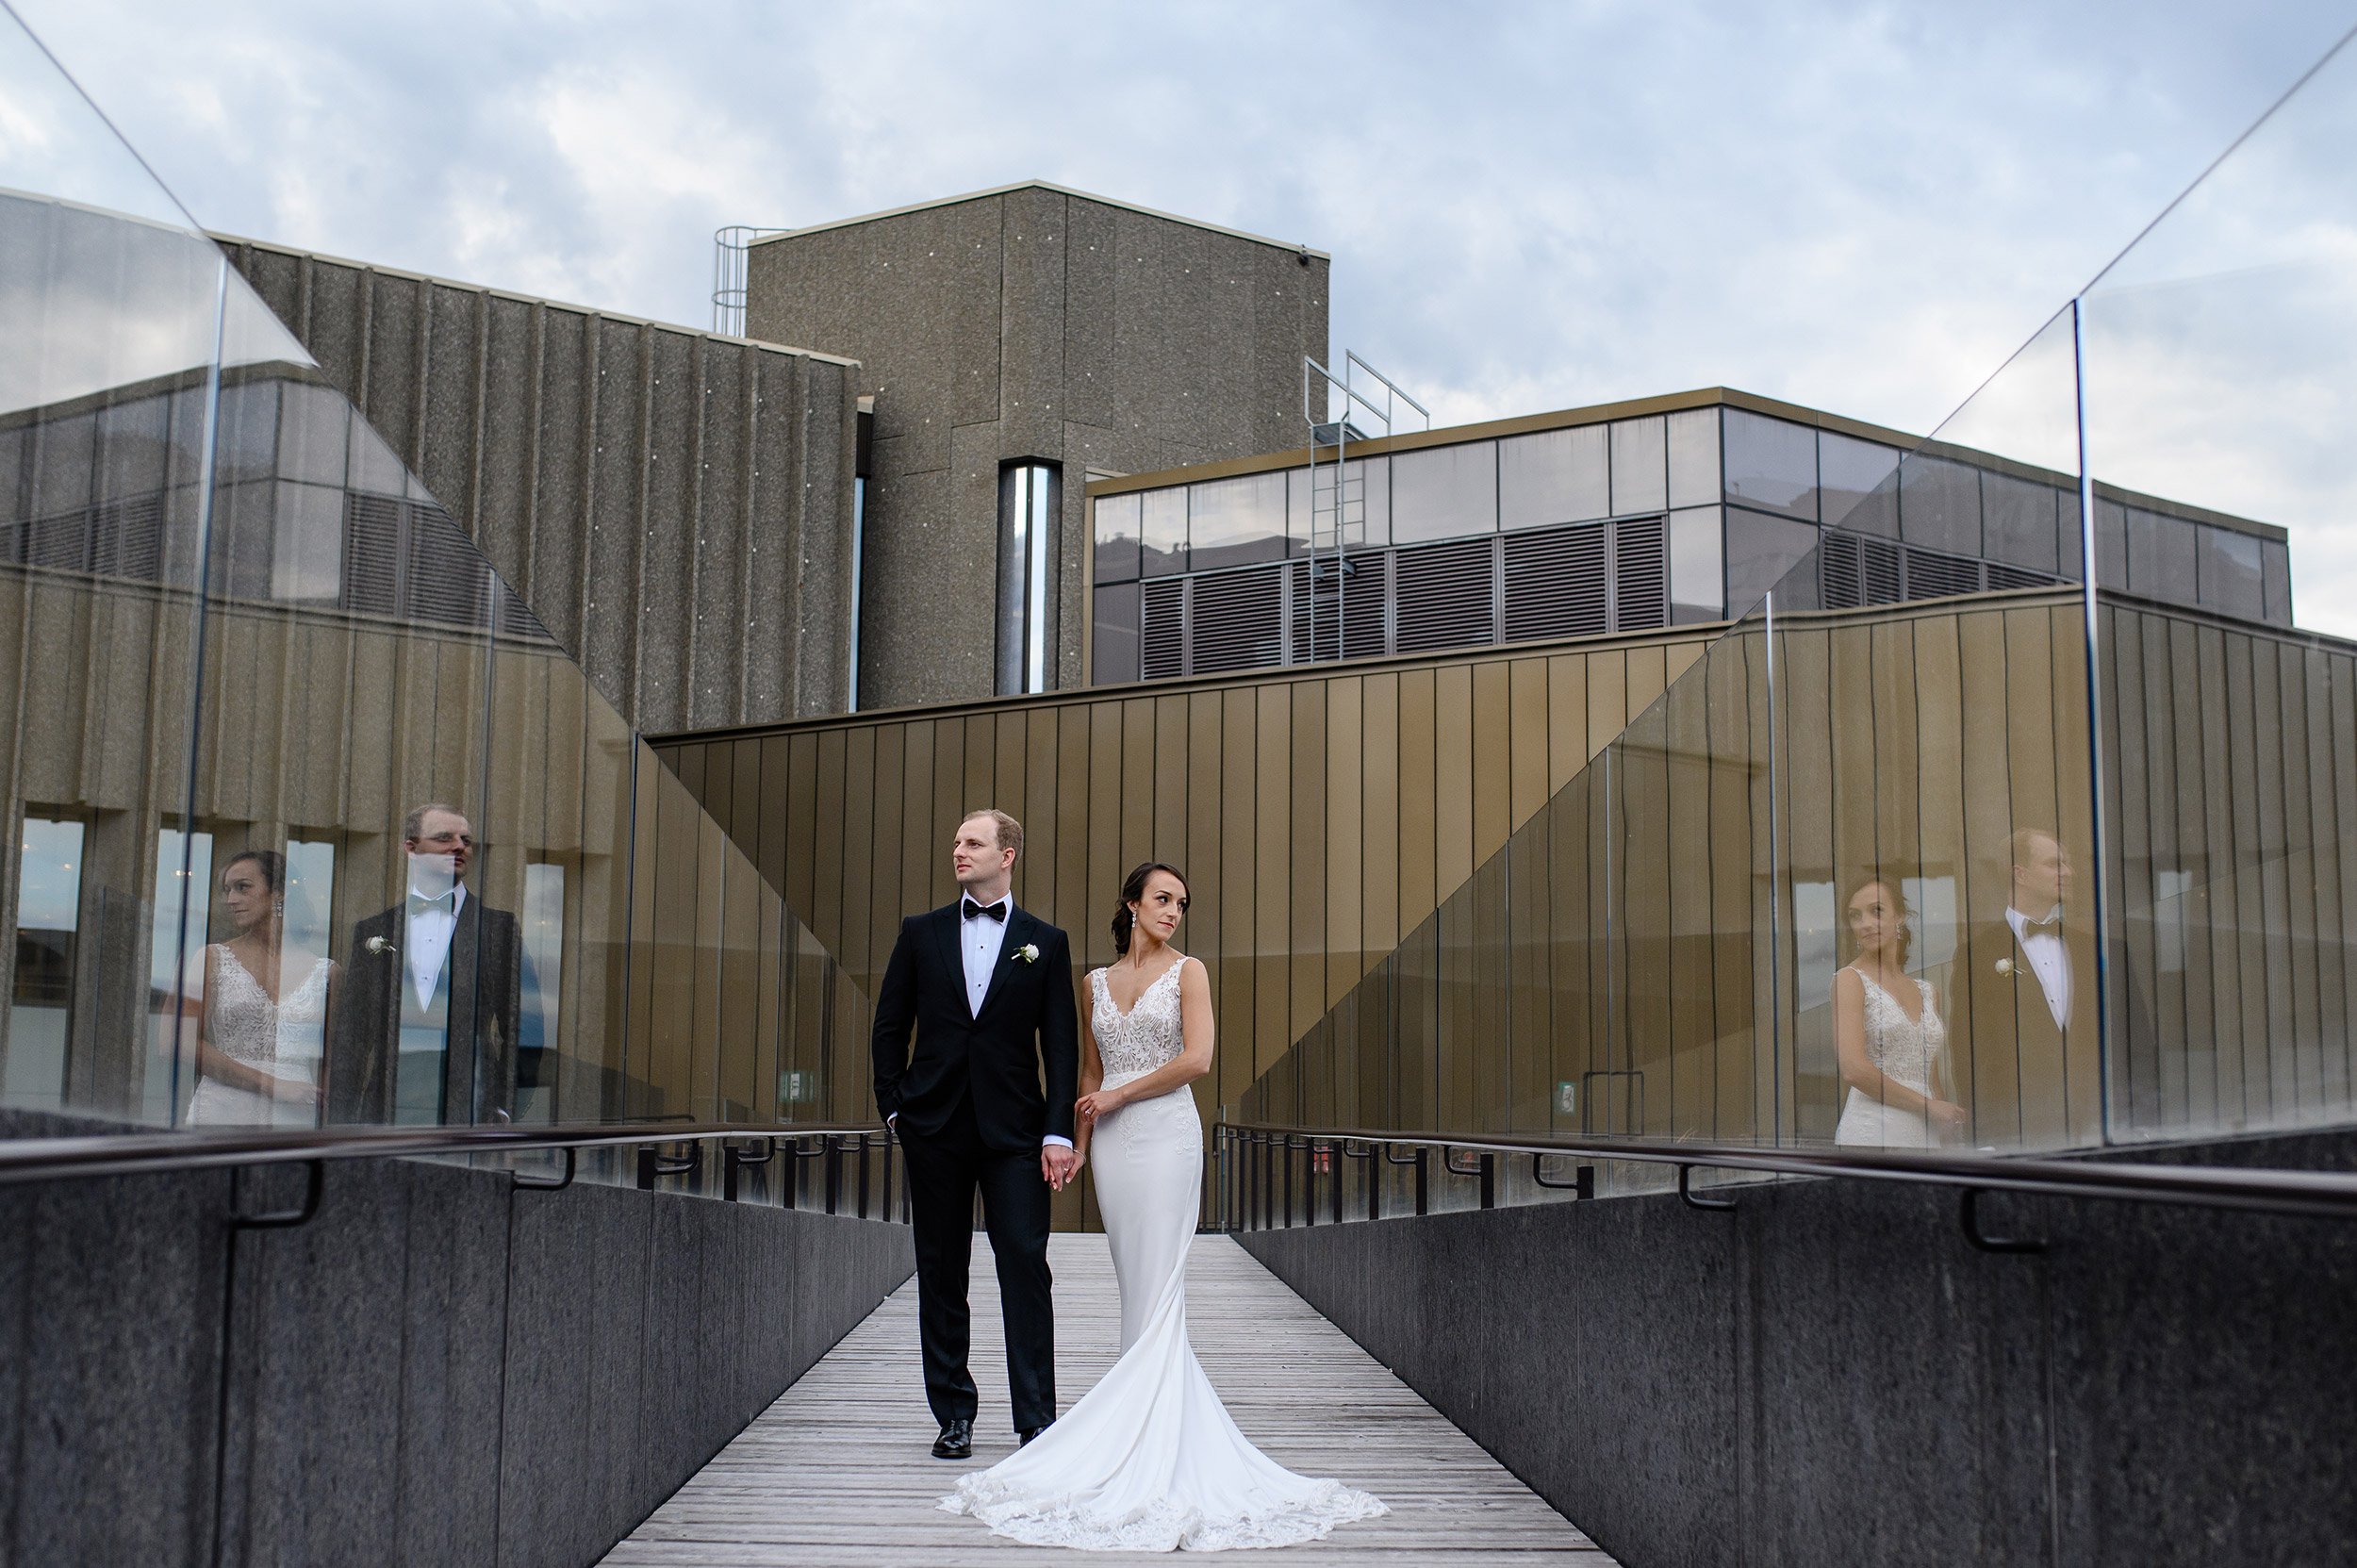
1149	1458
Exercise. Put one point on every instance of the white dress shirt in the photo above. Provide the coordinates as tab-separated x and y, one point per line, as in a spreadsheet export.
2050	959
431	921
981	940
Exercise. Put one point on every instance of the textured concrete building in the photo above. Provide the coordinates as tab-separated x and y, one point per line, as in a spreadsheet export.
675	507
1030	336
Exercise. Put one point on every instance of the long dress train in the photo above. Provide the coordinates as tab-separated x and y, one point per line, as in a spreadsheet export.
1149	1458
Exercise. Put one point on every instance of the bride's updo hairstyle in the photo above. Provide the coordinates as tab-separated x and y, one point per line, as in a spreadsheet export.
1895	895
1132	889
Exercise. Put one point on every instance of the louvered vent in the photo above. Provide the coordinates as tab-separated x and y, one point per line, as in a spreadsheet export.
1239	620
60	542
1161	629
446	579
2003	576
1640	574
1445	595
1355	631
1933	576
518	621
371	554
1556	585
1854	571
128	540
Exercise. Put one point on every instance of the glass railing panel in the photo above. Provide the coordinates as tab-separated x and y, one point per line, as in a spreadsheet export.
2218	353
110	334
311	821
1932	731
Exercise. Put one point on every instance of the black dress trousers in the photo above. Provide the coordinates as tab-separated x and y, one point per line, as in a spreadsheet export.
944	1170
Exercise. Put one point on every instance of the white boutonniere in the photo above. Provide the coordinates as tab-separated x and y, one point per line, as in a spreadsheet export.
2005	966
1028	954
378	947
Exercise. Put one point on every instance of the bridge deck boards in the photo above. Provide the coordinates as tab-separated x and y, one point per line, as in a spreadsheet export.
837	1472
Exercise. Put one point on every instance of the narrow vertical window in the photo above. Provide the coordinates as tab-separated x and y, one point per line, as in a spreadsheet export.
48	918
1029	508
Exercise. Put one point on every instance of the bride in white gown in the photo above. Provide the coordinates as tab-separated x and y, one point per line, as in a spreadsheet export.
1149	1460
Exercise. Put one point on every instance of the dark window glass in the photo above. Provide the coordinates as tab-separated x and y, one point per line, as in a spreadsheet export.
2111	544
2017	522
1772	464
313	425
307	552
1697	571
131	449
1115	658
1445	492
1116	529
1233	520
62	451
14	444
2072	537
1859	484
2275	559
374	468
1640	467
2231	574
1760	550
1554	476
1695	457
1162	530
1940	505
1366	504
246	446
2161	558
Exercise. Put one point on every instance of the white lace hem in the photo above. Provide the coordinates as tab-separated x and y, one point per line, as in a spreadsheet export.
1073	1522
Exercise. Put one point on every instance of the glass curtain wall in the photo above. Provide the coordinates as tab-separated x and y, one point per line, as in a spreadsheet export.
310	820
1901	865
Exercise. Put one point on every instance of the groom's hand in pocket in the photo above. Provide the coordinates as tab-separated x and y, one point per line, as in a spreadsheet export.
1058	1165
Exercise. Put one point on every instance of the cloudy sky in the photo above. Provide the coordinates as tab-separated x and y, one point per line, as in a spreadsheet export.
1861	208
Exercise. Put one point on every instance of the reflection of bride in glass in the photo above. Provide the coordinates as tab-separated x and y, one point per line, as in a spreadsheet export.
261	1007
1887	1034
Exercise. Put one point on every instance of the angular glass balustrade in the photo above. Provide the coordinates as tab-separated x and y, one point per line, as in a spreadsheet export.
272	705
1851	881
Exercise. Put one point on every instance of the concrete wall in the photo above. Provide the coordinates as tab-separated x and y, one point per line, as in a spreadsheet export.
1029	323
674	505
435	1370
1832	1374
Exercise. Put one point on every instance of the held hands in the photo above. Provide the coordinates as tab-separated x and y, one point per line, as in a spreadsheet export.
1059	1165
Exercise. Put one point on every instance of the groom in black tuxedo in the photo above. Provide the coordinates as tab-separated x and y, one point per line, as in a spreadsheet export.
989	989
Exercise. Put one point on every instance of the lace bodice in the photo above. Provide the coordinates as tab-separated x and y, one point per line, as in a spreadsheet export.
1901	1047
243	1020
1144	1037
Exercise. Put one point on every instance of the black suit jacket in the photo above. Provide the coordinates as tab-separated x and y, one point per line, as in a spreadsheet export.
1027	1029
2014	1002
484	965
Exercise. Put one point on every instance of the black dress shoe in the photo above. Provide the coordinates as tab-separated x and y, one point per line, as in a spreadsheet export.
956	1440
1023	1438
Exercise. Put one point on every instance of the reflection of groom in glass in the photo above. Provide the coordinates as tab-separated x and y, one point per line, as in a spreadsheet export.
425	1017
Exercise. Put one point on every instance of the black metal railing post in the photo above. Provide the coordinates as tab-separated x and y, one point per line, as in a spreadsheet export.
834	1173
863	1178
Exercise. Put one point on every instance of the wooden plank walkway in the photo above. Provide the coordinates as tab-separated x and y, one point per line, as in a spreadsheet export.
837	1472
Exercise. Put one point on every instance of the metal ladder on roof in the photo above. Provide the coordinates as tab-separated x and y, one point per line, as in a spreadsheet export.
1332	404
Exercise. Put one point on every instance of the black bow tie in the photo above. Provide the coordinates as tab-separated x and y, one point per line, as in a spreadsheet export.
969	910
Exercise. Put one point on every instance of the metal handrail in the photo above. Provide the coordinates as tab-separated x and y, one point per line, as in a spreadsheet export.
2324	1193
132	1153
